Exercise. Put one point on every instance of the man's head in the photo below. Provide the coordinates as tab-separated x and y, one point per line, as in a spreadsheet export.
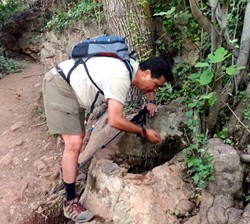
152	74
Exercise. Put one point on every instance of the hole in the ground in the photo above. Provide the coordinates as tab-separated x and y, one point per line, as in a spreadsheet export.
151	156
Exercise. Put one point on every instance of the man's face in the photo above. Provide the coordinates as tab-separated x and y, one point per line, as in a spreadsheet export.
149	84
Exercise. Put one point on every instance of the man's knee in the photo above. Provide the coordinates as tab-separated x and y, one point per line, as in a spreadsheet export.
73	142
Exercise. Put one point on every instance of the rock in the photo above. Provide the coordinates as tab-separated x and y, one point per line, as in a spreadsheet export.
139	198
11	146
245	158
184	208
16	161
234	215
229	176
6	132
39	165
37	85
12	210
16	126
19	142
246	214
6	160
217	205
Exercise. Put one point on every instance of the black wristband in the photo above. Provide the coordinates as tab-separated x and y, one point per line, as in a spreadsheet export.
152	101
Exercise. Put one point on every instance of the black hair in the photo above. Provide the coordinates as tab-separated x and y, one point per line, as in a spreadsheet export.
158	67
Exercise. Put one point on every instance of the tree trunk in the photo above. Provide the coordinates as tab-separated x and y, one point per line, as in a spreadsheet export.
243	60
133	20
199	16
238	125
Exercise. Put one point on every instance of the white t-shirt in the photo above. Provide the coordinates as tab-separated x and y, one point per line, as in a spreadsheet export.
110	75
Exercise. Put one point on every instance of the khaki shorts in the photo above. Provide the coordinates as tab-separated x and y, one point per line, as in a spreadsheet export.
62	110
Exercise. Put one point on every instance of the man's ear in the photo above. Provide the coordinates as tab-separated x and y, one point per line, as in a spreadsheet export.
147	73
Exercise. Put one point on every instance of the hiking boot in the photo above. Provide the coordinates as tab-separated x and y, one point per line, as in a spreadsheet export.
76	212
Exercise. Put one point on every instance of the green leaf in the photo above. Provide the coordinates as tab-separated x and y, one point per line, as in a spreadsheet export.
233	69
192	161
211	178
195	76
207	96
206	78
219	55
196	178
201	65
189	113
166	14
202	184
212	100
210	97
192	105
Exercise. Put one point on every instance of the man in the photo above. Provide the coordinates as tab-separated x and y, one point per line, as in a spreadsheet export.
65	104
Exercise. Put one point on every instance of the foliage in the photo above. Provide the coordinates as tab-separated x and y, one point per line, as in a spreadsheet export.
200	163
163	94
7	66
248	198
178	25
8	9
196	86
198	94
207	76
85	10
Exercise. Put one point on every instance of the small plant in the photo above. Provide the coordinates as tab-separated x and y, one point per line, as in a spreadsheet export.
178	25
224	136
7	66
85	10
8	9
201	168
162	94
198	94
199	162
248	198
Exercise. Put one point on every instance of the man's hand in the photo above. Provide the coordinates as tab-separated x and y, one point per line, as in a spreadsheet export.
152	109
151	105
152	136
117	120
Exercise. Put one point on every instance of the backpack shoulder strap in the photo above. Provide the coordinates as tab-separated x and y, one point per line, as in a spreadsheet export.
81	61
100	91
130	69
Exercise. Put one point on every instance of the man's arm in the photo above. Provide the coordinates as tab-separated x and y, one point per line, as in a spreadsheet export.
117	120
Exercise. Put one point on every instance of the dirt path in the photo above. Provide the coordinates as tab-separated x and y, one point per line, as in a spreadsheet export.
29	158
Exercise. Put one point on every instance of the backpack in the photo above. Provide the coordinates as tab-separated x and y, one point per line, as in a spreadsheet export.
108	46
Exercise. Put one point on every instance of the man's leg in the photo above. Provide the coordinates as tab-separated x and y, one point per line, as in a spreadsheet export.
64	115
73	145
72	209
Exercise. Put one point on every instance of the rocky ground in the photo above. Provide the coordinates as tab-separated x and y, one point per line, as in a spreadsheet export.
29	157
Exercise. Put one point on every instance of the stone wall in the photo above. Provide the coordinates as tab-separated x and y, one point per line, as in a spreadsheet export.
56	47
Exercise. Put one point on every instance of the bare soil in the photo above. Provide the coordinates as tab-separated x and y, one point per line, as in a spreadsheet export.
29	156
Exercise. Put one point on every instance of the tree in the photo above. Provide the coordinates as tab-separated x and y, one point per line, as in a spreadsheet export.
227	91
133	20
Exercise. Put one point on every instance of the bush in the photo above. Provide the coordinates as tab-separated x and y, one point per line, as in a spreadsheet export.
8	9
7	66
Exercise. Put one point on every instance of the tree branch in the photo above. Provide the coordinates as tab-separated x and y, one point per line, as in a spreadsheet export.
199	16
